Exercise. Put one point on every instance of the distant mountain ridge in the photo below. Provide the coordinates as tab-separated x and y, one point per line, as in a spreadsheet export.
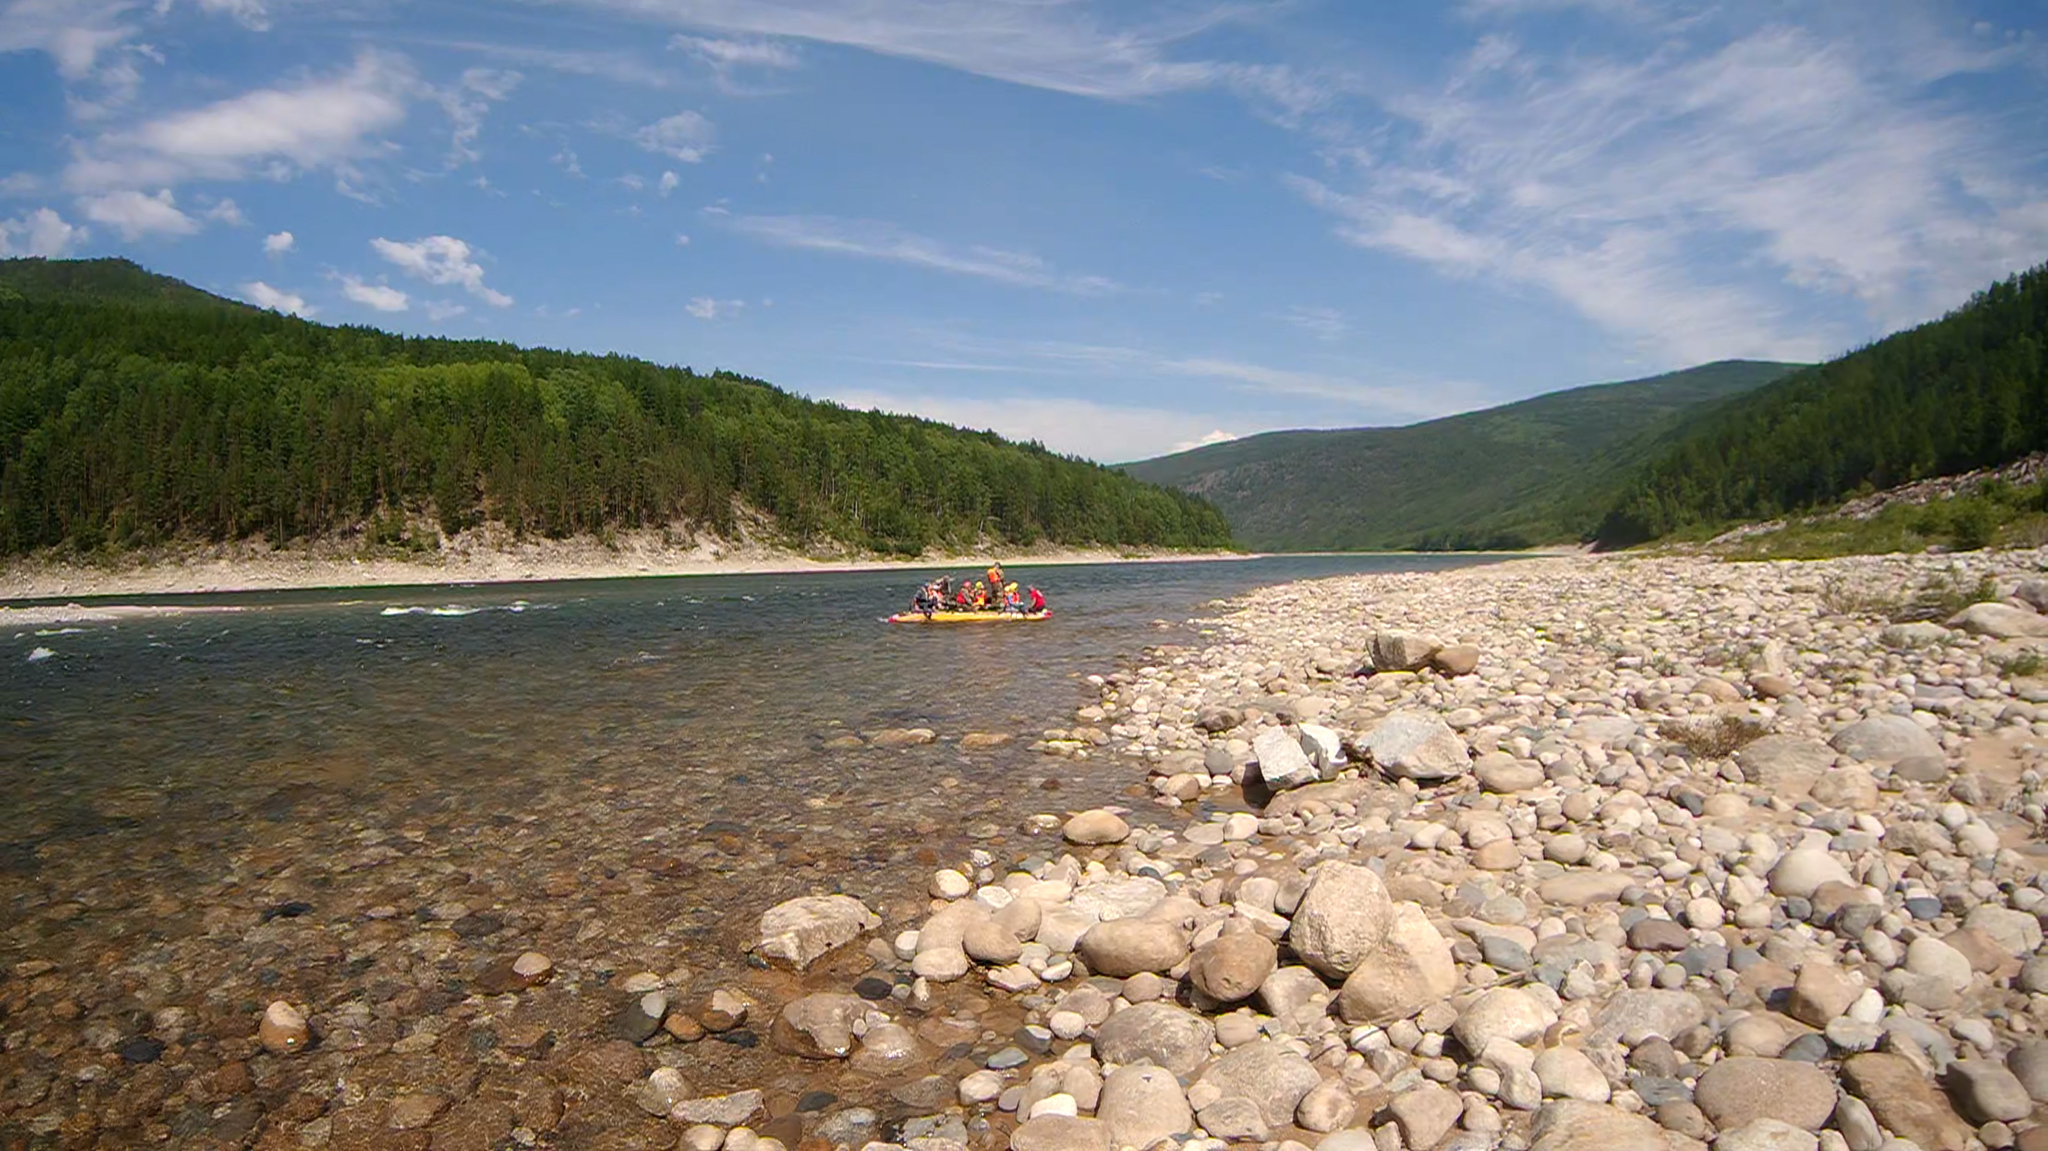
1538	471
137	410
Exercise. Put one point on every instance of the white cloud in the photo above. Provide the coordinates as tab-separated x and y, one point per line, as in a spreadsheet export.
438	310
316	123
278	243
1111	433
633	182
20	184
277	299
1207	439
1054	45
669	180
566	160
682	240
728	58
1322	323
686	136
227	212
378	296
251	14
441	260
39	233
875	240
706	308
1708	195
135	215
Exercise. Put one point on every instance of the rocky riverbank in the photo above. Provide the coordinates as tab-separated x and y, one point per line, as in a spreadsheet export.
1562	854
1557	855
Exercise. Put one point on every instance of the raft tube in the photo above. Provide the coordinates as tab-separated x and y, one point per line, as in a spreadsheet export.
970	617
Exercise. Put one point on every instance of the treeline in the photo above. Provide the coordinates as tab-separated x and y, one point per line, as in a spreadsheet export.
1966	391
132	413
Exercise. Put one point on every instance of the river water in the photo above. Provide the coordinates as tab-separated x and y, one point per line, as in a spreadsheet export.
357	799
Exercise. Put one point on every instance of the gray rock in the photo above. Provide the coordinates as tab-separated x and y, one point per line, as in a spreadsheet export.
1125	947
1426	1114
1142	1105
984	942
1329	1105
2033	593
1935	959
1416	745
1767	1135
1501	1013
1411	968
1157	1033
1291	991
1060	1133
1342	917
1270	1076
1884	739
1323	747
2029	1063
1573	1125
1784	764
2000	621
1741	1089
1401	651
1984	1091
1282	764
1910	635
799	931
1569	1073
724	1110
1801	872
1233	1118
1229	968
818	1026
1902	1098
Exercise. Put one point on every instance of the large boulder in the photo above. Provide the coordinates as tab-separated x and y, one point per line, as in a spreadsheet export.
1741	1089
1410	969
1142	1105
1282	763
1095	827
1401	651
1266	1074
2000	621
1416	745
1885	739
2033	593
1228	968
1785	765
799	931
1341	918
819	1026
1508	1013
1905	1100
1157	1033
1125	947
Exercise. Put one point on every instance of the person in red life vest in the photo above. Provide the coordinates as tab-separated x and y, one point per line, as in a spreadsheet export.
1037	603
960	598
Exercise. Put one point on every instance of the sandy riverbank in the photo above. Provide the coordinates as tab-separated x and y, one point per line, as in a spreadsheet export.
233	568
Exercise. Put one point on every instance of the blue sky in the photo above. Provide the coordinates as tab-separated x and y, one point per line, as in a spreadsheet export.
1119	228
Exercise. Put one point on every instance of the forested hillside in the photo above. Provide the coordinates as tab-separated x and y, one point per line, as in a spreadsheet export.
136	410
1962	392
1539	471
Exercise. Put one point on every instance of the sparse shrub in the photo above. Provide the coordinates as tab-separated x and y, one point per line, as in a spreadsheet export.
2022	665
1944	595
1717	737
1841	597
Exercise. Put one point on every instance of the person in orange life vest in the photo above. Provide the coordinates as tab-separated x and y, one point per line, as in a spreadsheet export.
995	577
1037	600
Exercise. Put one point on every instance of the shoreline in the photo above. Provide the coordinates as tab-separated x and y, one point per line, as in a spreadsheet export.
33	585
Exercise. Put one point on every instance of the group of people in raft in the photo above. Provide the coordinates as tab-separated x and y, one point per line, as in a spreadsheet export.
992	594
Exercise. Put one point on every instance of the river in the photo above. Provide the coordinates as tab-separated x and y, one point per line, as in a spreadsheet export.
362	797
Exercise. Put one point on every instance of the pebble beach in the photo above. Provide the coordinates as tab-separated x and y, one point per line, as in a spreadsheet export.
1563	853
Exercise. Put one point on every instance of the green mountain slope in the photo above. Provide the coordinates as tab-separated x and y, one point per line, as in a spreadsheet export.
1966	391
1538	471
136	410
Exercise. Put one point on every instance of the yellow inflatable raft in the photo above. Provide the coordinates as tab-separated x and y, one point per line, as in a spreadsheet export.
970	617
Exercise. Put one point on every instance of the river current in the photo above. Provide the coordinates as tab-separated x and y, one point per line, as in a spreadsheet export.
364	796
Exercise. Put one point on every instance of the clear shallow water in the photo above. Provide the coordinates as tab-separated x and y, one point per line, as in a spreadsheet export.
621	773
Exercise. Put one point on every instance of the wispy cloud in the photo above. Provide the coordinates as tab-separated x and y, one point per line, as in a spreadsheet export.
1062	46
732	61
617	66
1110	433
686	136
876	240
1322	323
326	122
1702	198
381	297
709	308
